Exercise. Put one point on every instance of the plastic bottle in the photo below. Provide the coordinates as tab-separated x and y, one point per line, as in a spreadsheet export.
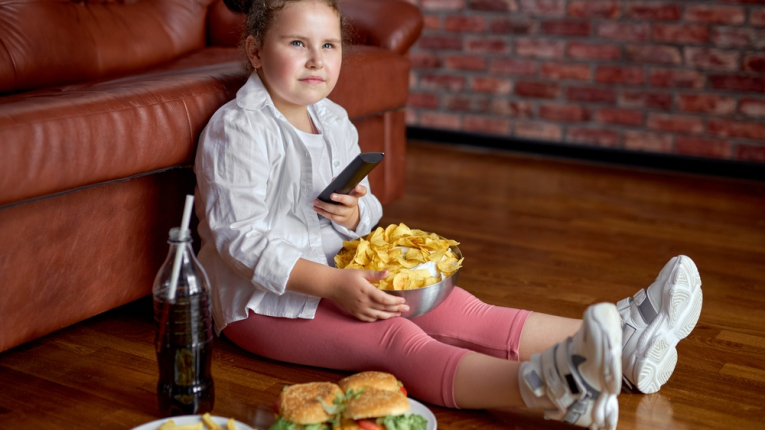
183	332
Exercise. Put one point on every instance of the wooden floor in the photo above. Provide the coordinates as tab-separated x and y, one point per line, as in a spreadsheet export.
543	234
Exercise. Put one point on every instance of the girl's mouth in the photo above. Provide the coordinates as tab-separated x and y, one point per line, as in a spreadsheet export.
312	80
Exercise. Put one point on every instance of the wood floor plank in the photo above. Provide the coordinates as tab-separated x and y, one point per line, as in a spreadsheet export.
543	234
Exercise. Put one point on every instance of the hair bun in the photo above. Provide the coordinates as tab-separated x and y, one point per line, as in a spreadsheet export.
238	6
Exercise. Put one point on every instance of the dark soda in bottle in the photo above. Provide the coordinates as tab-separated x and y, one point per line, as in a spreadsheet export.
184	332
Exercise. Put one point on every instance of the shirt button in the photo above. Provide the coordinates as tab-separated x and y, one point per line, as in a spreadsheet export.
335	164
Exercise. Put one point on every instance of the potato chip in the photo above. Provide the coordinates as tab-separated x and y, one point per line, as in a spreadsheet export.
400	250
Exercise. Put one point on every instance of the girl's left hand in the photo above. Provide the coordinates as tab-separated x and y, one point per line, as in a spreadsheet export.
347	212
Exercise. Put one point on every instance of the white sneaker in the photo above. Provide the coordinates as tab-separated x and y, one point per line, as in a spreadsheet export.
655	320
581	376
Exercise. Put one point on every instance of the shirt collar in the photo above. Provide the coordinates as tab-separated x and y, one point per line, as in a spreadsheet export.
254	96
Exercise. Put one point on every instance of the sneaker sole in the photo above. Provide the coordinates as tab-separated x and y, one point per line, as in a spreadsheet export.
681	308
607	318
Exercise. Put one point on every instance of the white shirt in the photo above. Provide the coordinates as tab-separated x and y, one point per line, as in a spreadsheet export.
331	239
254	201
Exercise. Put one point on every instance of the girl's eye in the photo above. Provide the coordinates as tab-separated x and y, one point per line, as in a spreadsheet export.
328	46
296	43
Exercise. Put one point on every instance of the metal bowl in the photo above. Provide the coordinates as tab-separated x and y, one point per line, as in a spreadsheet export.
423	300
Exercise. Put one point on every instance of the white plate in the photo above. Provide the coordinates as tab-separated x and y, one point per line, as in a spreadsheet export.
193	419
419	408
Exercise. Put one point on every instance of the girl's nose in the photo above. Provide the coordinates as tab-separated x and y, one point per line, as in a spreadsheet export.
316	60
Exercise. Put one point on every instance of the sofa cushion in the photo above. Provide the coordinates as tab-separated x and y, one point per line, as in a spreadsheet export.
85	134
56	42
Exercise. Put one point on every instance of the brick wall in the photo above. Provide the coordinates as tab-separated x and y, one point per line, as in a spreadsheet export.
678	77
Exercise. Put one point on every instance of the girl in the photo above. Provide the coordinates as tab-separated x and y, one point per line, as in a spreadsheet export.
268	246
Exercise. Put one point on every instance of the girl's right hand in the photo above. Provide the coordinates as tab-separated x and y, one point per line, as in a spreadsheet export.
353	292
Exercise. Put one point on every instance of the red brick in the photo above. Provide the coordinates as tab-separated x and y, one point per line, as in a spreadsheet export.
538	130
593	9
566	71
752	107
486	45
642	99
442	82
676	78
513	66
431	22
540	48
619	75
543	7
734	37
652	11
757	17
465	62
750	153
599	136
663	54
440	42
711	58
463	103
513	108
563	113
545	90
734	82
754	63
422	100
619	116
411	117
645	141
512	26
562	27
440	120
472	24
486	124
701	147
617	30
413	82
591	94
494	5
714	14
706	103
680	33
442	4
675	123
590	51
483	84
424	60
727	128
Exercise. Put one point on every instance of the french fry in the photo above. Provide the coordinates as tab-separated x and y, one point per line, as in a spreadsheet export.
167	426
207	419
230	424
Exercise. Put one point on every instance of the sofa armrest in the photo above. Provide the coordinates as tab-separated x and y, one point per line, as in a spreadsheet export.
389	24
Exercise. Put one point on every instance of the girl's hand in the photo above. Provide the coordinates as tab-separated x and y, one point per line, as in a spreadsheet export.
347	212
353	292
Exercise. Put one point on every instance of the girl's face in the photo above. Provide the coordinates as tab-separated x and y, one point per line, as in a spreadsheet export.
299	60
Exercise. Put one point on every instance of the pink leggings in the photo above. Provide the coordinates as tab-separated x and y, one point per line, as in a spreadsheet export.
423	352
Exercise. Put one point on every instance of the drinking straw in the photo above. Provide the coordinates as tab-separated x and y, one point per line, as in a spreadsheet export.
179	253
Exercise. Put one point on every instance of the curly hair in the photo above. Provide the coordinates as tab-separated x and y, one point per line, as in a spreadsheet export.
261	15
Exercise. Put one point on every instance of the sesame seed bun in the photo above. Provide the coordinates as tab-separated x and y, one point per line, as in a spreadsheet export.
377	403
298	403
369	380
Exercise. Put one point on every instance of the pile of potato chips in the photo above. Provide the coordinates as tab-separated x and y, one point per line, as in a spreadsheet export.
399	249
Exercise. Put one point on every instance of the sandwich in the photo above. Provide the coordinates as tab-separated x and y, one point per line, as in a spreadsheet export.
377	401
364	401
311	406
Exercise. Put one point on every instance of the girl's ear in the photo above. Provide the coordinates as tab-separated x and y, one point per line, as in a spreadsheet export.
253	51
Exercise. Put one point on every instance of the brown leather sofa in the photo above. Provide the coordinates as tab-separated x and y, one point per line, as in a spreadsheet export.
101	105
